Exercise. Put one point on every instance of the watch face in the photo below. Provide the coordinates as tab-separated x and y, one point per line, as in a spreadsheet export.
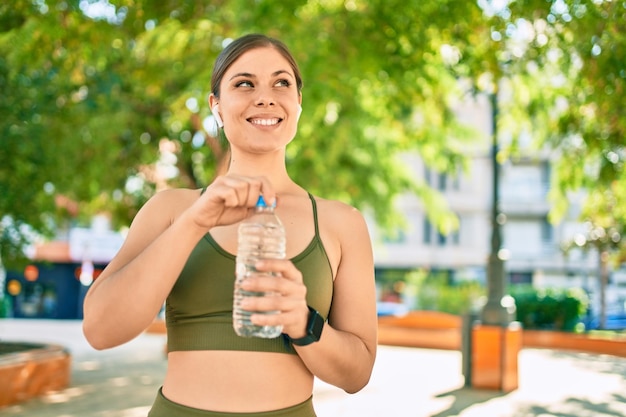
316	325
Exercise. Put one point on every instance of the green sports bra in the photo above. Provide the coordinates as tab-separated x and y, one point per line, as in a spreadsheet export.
198	310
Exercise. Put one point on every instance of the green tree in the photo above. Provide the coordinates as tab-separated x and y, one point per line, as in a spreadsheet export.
91	102
568	78
564	65
604	215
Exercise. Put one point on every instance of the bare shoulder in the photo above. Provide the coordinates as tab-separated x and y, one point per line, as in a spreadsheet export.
344	233
165	206
339	216
171	202
176	196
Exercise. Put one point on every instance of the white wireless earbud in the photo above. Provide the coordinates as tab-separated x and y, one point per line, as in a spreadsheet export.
299	112
216	114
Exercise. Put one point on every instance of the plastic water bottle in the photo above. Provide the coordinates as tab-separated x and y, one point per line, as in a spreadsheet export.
261	236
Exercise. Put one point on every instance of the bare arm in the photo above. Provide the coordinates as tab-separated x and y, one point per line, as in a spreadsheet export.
345	354
129	293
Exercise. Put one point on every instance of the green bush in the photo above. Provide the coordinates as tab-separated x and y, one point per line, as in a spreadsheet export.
549	308
456	298
421	289
5	307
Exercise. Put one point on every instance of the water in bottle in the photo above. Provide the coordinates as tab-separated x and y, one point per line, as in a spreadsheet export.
261	236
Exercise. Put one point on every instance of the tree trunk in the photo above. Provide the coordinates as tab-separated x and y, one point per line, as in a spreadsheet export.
604	281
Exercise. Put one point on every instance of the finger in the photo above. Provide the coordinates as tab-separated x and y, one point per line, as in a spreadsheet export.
260	186
224	191
255	189
227	195
266	303
269	195
289	314
274	304
276	285
248	189
240	191
284	267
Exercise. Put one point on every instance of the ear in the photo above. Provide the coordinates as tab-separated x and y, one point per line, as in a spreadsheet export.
299	106
216	114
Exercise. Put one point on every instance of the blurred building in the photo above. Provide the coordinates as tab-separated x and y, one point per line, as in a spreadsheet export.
54	285
532	246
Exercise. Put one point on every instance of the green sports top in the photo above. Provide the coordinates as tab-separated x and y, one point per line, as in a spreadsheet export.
199	309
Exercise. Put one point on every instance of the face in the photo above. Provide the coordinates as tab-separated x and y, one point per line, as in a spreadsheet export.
259	101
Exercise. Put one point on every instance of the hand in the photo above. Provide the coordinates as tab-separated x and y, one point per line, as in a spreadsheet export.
288	297
229	199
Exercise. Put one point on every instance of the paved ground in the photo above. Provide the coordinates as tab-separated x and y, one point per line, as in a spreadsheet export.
407	382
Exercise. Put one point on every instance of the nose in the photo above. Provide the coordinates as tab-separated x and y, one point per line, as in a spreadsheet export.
264	98
264	102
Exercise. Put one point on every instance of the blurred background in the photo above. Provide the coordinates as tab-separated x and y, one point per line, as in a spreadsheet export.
470	134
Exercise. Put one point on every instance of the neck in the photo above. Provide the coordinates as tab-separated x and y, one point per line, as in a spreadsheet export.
271	167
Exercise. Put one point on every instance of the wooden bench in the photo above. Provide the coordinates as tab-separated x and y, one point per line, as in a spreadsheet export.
426	329
29	370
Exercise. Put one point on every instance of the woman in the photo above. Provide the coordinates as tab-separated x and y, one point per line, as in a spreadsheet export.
182	244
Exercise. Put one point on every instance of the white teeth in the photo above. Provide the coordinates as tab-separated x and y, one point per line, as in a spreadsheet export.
264	122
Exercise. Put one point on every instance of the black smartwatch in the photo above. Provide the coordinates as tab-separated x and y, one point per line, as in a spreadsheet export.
314	328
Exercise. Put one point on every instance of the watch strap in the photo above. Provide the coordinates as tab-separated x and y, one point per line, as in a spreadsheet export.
314	327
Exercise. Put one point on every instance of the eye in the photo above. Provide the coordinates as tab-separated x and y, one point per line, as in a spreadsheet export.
283	83
244	84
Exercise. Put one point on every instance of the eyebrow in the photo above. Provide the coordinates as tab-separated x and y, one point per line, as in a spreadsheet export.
248	75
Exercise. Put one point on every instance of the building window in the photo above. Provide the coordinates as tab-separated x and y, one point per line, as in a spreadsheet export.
546	172
547	232
441	239
442	181
399	236
428	231
520	278
455	235
434	236
427	176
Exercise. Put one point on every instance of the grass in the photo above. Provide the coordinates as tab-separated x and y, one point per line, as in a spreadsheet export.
15	347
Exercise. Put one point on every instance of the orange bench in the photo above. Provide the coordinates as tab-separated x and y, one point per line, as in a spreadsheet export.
30	371
426	329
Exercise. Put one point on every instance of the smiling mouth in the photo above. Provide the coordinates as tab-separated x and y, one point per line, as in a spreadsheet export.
265	122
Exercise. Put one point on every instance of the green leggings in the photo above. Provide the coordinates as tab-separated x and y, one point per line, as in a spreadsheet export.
163	407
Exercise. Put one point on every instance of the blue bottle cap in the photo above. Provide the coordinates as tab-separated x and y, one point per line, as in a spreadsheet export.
261	202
